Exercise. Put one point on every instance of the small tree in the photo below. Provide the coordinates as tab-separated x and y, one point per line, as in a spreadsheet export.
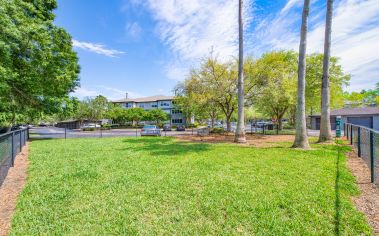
157	115
277	87
118	114
136	115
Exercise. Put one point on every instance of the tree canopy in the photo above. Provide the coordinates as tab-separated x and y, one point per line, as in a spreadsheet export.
38	67
270	86
210	88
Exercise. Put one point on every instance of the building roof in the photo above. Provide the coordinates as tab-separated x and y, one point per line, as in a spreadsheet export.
145	99
354	111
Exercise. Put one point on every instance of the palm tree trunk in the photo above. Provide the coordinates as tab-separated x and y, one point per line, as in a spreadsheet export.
325	128
301	139
240	132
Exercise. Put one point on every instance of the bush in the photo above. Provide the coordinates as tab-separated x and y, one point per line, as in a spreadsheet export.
89	129
106	126
173	127
194	125
288	126
218	130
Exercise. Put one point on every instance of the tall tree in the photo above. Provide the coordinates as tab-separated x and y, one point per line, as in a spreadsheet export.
301	139
37	64
325	128
240	132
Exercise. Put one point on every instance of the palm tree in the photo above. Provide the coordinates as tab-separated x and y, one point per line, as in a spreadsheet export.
240	132
301	139
325	129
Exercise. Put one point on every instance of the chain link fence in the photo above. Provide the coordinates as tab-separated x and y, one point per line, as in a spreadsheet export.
10	145
365	142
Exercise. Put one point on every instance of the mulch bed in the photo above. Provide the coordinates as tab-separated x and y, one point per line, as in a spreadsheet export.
11	188
368	201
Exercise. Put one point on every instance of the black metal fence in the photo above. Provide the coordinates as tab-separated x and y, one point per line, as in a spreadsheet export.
268	129
65	133
10	145
366	143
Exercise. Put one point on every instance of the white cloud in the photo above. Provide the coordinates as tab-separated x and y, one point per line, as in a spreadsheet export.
96	48
83	92
176	72
191	29
290	4
355	36
133	29
109	92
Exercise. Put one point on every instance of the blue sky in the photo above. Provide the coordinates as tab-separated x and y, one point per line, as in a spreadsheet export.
146	47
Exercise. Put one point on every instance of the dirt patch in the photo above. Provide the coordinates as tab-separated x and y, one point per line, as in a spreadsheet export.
11	188
254	140
368	201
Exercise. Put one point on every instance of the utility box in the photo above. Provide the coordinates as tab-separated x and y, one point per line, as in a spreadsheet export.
338	126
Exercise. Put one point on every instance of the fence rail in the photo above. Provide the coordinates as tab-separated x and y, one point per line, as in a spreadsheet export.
365	141
10	145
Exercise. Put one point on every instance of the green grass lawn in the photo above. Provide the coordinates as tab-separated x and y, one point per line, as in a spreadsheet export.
160	186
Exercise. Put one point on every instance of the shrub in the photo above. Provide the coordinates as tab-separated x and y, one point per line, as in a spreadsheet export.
217	130
89	129
288	126
106	126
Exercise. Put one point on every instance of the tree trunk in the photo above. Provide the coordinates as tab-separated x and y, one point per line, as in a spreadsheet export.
325	128
228	124
280	123
301	139
240	132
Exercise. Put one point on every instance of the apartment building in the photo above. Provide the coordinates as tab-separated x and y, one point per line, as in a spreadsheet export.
155	102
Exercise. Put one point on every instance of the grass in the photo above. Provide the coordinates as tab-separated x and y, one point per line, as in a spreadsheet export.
161	186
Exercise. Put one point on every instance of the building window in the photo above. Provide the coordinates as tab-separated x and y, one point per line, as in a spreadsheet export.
177	121
165	104
176	112
154	105
141	105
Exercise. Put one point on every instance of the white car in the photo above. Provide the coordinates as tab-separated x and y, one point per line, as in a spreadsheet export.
150	130
91	125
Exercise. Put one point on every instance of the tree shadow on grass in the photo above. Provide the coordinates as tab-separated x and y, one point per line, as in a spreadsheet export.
166	146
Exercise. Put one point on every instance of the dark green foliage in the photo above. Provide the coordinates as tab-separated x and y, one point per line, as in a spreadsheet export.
38	67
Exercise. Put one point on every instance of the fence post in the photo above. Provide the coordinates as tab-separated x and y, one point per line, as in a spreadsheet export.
20	141
344	130
263	129
65	132
351	135
13	148
372	157
359	142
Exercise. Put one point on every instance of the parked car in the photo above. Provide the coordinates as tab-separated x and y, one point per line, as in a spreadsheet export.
91	125
166	127
150	130
180	128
